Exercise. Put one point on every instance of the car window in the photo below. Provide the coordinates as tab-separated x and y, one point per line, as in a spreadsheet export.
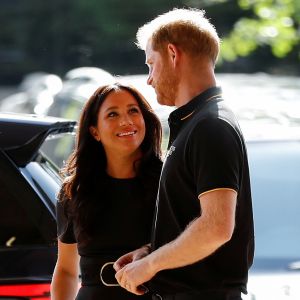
17	228
57	148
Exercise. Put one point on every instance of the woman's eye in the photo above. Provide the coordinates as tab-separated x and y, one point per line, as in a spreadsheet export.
112	114
134	110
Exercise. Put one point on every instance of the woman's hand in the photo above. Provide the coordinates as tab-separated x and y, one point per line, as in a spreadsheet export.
131	257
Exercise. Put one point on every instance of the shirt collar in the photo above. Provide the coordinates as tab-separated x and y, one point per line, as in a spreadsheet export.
184	112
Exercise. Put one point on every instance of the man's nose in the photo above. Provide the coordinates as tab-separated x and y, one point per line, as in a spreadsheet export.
149	79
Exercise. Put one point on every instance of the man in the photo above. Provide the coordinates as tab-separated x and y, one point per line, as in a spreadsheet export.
202	241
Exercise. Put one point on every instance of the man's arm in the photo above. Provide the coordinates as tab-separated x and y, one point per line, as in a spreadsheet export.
202	237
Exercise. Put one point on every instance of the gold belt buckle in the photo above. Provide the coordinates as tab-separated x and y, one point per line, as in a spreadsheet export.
101	271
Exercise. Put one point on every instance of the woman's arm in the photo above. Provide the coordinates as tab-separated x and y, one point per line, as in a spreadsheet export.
65	280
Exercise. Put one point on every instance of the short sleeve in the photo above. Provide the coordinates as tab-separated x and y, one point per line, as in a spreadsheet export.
216	155
65	231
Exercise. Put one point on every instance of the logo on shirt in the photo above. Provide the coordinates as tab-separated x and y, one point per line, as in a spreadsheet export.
170	151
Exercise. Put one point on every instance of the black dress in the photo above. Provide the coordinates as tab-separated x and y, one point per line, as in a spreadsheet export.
122	219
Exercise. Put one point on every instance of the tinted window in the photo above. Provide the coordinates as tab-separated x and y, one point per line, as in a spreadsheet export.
16	226
57	148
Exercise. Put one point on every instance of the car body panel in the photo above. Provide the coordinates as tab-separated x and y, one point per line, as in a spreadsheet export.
21	138
29	183
274	169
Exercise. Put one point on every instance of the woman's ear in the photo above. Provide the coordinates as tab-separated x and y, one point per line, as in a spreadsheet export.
94	133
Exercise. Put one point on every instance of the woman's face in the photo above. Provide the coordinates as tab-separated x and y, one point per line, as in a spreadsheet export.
121	126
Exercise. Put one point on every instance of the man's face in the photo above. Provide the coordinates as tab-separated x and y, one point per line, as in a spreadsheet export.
162	76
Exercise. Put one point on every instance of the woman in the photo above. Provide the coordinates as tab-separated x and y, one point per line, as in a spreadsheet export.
107	200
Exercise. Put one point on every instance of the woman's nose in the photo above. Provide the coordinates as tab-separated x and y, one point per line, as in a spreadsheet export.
126	120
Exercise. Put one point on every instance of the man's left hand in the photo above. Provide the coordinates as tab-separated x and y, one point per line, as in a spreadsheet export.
133	275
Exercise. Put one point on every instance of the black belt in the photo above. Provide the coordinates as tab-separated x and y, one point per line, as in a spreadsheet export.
98	271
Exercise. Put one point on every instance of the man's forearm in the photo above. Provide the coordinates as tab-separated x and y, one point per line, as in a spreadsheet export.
198	241
203	236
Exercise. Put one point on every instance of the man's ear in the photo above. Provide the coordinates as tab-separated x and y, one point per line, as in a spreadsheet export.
94	133
174	54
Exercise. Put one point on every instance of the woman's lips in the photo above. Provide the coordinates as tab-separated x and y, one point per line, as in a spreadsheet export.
127	133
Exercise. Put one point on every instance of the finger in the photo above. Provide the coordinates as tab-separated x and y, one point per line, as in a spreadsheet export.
121	262
138	256
127	286
140	290
118	276
118	265
122	279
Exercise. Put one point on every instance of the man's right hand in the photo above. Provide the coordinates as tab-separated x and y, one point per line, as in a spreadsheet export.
131	256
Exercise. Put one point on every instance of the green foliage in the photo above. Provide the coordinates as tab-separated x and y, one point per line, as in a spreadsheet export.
57	35
274	23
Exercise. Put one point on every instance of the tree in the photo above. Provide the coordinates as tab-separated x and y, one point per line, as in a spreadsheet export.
273	23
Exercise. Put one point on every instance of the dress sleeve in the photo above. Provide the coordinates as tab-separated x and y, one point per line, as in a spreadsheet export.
65	231
216	156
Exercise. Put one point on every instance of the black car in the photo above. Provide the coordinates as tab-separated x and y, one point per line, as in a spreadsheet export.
274	169
29	182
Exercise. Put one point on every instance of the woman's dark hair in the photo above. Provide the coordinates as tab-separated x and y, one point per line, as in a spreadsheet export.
88	160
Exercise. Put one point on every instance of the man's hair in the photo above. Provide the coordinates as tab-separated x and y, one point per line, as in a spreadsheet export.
187	29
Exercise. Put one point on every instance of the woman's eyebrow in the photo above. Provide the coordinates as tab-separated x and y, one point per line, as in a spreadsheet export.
116	107
111	107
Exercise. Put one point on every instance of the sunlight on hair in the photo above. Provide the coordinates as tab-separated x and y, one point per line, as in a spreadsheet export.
194	17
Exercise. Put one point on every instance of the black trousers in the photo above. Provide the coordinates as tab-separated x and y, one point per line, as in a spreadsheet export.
107	293
229	295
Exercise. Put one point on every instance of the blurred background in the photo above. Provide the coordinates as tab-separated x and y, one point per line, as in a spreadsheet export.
62	50
59	35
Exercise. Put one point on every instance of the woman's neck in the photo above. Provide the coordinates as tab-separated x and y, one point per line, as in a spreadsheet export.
123	166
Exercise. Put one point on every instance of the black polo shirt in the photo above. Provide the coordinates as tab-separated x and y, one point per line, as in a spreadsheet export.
206	151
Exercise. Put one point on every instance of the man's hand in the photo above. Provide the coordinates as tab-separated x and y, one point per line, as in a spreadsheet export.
131	257
133	275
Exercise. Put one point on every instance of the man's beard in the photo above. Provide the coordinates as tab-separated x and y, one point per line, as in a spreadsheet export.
167	87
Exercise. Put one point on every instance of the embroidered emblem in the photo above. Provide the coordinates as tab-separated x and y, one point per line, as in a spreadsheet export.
170	151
